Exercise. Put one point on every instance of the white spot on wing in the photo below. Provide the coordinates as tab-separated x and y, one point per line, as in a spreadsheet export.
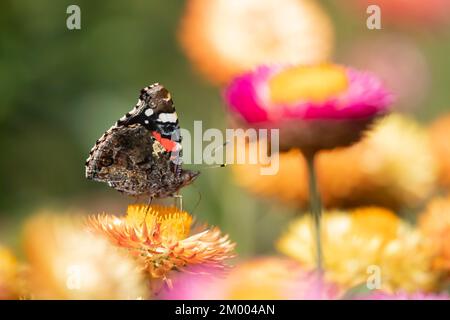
148	112
168	117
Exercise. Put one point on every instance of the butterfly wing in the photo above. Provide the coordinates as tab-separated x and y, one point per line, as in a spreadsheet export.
141	153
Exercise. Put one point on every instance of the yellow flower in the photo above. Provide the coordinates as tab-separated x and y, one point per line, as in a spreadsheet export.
8	275
392	166
435	224
397	158
355	242
164	242
66	262
224	38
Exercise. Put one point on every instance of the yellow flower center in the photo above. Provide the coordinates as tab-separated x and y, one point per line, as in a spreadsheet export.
314	83
169	222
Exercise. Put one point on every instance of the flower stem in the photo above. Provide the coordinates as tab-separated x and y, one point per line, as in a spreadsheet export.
315	205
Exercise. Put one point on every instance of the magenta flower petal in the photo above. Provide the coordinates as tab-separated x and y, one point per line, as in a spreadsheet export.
242	97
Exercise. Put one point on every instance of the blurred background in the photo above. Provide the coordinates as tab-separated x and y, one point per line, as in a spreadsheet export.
61	89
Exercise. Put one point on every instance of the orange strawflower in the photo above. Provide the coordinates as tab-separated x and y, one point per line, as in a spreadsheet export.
224	38
162	240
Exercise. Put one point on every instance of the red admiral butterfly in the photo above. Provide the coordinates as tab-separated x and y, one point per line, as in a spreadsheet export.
141	154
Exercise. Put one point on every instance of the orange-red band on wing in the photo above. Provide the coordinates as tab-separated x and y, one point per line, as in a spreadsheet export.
167	144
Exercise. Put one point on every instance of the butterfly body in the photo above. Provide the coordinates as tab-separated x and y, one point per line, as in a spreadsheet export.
141	154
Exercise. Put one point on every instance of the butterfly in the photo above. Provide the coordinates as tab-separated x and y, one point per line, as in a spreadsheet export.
142	154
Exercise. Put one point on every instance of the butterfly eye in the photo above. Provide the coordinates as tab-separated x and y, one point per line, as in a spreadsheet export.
106	162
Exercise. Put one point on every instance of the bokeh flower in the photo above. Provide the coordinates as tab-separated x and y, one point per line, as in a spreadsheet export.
224	38
435	224
377	170
8	275
439	132
67	262
315	107
256	279
162	240
366	237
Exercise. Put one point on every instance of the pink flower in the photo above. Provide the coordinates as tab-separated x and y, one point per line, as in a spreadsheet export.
311	286
194	285
315	107
249	95
256	279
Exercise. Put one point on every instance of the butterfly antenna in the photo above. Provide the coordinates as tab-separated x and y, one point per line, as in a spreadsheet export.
221	146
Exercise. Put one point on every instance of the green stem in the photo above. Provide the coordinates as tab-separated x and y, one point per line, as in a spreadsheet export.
315	205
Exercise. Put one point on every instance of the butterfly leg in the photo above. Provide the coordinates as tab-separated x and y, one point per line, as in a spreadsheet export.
178	200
